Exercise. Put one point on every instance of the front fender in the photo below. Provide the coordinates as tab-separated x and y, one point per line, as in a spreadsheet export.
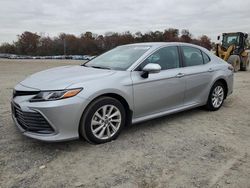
127	96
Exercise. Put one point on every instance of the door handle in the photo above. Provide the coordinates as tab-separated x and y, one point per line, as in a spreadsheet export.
210	70
179	75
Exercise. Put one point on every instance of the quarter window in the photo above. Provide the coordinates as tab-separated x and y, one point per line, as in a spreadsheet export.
206	58
192	56
167	58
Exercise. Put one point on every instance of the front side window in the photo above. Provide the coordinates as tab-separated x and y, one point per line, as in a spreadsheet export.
192	56
120	58
167	58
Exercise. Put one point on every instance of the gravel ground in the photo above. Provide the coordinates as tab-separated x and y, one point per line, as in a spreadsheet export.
195	148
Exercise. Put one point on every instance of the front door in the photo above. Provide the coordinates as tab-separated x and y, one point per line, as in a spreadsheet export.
160	91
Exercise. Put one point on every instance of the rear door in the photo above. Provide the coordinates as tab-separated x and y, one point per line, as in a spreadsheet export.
198	75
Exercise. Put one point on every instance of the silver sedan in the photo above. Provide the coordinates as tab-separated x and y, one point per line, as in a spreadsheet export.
128	84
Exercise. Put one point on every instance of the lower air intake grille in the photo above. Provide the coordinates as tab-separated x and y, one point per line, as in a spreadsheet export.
32	121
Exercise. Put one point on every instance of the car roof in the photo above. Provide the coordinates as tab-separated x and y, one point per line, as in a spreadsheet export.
159	44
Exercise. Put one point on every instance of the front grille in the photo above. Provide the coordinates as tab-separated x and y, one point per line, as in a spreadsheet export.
32	121
23	93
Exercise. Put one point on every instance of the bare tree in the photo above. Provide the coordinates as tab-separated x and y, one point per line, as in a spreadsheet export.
29	43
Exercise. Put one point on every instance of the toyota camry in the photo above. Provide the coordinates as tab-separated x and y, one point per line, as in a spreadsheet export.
128	84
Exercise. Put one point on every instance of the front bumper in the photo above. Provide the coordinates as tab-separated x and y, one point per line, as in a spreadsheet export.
62	115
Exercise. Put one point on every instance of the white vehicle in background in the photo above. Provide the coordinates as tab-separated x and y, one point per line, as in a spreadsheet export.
13	57
77	57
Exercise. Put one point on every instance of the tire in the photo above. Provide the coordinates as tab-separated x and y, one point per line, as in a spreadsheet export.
246	65
234	60
218	93
103	120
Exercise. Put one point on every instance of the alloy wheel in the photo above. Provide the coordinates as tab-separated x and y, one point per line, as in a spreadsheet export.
106	122
217	96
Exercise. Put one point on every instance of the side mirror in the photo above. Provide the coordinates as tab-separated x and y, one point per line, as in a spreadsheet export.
150	68
218	37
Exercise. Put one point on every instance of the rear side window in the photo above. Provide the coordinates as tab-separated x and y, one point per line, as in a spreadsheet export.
206	58
192	56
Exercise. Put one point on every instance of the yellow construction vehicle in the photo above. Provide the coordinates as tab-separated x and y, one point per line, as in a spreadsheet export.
233	50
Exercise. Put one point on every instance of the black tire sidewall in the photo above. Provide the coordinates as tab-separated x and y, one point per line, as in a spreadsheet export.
85	129
209	102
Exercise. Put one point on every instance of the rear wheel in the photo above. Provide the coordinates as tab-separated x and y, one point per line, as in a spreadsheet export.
245	64
103	120
234	60
216	97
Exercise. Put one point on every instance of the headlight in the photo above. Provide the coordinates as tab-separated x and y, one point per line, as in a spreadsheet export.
55	95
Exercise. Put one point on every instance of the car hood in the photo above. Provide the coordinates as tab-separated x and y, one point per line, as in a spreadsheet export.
63	77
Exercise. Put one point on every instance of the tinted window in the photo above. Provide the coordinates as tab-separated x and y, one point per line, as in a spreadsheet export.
167	58
192	56
206	58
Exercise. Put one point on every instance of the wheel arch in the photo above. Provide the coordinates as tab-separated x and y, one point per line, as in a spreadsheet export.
128	110
124	102
224	82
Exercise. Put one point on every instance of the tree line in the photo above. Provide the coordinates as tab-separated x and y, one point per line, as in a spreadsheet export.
29	43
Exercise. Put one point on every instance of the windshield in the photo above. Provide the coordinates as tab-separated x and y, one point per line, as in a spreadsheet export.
120	58
228	40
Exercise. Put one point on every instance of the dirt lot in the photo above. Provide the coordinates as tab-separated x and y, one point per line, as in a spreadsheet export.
189	149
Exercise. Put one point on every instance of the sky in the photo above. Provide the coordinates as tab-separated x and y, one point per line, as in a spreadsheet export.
52	17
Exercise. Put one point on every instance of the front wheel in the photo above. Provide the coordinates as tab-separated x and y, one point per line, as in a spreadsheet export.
216	97
103	120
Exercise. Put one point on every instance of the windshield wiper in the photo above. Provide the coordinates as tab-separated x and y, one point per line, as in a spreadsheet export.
99	67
